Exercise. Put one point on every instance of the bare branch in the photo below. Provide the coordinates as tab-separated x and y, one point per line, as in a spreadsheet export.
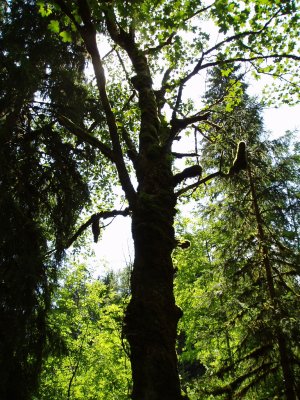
91	220
195	185
182	155
180	124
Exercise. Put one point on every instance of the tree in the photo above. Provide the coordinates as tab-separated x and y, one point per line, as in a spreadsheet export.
135	122
40	199
246	262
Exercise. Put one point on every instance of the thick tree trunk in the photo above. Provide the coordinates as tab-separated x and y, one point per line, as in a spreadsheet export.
152	316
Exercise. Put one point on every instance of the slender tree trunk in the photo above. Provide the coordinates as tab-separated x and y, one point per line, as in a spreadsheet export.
281	341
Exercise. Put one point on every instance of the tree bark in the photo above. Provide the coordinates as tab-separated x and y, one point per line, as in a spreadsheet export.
152	316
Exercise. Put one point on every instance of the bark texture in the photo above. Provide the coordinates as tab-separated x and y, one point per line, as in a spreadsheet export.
152	316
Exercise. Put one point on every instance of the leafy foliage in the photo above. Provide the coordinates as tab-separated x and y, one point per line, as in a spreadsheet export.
92	362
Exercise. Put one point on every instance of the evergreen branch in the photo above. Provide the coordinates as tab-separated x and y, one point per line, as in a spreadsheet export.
232	386
85	136
95	218
283	282
255	381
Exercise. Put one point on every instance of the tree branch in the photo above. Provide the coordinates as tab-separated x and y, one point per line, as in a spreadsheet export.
245	59
240	35
195	185
132	152
190	172
237	36
95	218
182	155
167	42
180	124
88	33
85	136
66	10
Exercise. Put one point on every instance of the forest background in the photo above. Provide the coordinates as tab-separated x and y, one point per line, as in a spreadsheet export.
89	136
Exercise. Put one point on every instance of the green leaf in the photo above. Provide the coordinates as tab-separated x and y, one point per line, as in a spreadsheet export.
44	9
54	26
66	36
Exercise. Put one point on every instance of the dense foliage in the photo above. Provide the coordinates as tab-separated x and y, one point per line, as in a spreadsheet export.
90	362
241	324
95	100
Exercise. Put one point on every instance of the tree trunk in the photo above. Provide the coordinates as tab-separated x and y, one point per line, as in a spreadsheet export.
152	316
